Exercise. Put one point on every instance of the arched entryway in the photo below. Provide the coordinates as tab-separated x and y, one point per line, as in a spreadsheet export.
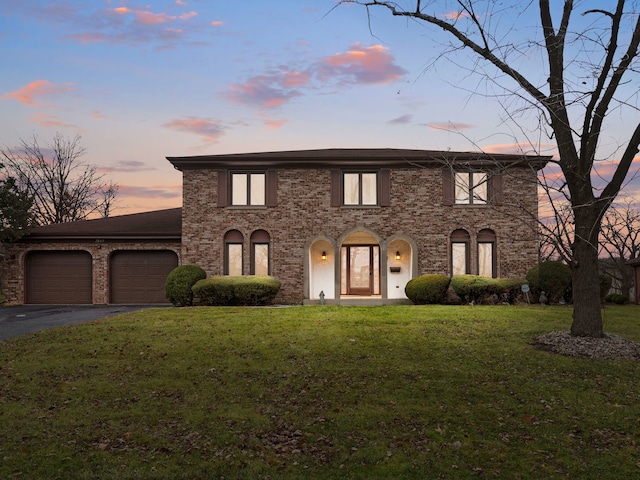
360	265
321	267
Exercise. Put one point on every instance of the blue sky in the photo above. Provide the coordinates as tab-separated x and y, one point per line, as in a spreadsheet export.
139	81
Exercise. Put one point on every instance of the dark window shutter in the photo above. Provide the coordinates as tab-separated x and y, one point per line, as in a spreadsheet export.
223	188
384	183
497	197
448	188
336	188
272	188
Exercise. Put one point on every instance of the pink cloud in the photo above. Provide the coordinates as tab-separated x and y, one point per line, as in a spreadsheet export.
211	130
217	23
268	91
38	88
455	15
274	124
87	38
450	126
366	65
49	121
516	148
129	166
157	191
147	17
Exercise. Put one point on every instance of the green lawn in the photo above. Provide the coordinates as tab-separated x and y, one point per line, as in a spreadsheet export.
421	392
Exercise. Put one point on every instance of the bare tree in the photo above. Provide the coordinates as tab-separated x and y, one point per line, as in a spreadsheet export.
63	188
585	65
621	243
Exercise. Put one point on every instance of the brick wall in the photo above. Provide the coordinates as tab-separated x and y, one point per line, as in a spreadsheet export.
304	212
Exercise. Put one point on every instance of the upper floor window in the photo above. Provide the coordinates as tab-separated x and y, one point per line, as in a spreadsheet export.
248	189
471	188
360	189
349	188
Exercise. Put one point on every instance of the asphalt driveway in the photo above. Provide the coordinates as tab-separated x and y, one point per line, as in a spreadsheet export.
21	319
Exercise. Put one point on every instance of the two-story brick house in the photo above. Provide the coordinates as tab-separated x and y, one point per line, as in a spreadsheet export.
348	225
355	225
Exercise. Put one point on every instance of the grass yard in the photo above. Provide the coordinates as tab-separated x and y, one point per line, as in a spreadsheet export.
401	392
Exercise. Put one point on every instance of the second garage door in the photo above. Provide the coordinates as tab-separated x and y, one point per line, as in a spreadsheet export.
138	276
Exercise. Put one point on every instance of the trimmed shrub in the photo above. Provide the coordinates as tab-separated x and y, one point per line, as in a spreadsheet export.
236	290
473	288
551	277
427	289
216	290
511	288
618	298
177	287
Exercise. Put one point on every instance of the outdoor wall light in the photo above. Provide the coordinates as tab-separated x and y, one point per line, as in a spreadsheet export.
397	254
324	256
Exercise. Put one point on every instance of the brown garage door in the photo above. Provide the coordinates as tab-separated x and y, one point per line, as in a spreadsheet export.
138	276
59	277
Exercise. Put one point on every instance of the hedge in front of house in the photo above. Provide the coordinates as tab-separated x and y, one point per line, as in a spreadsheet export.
552	277
472	288
511	288
236	290
618	298
427	289
177	287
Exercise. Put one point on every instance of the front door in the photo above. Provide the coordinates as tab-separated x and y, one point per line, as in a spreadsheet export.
362	265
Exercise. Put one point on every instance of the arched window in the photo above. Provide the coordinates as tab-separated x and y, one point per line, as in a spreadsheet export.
460	262
487	253
233	249
260	243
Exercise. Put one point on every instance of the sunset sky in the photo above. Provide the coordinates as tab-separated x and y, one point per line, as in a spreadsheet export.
140	81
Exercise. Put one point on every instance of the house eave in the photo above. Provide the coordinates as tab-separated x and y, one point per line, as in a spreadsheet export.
353	158
99	238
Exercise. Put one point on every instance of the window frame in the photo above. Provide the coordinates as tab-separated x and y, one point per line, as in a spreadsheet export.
225	188
251	177
469	187
382	187
494	185
233	238
486	236
260	237
360	186
460	237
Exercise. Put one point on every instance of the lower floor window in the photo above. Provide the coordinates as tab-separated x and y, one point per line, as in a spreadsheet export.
459	255
259	253
234	259
485	259
460	240
487	253
260	259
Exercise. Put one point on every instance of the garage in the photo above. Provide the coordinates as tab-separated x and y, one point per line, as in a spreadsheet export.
138	276
59	277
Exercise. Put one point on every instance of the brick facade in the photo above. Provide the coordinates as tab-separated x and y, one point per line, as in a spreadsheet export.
303	212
